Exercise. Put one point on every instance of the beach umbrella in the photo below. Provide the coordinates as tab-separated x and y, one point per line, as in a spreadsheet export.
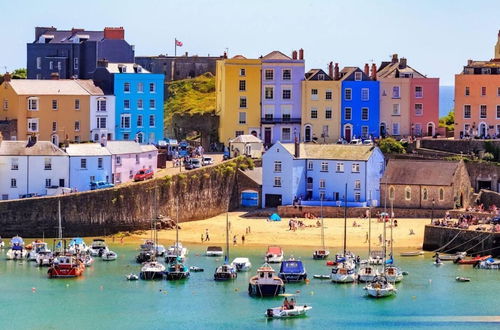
275	217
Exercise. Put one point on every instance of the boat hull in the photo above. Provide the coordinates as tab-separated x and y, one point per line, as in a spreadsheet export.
57	272
293	277
343	278
380	293
265	290
151	275
225	276
280	313
16	254
175	276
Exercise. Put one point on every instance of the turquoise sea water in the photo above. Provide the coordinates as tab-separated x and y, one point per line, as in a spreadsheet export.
429	297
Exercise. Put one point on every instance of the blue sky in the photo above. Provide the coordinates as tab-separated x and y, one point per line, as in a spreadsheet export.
437	36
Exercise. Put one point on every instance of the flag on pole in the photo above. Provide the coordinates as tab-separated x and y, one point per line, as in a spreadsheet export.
178	43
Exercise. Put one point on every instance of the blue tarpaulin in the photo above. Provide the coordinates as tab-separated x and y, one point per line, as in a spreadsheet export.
275	217
292	266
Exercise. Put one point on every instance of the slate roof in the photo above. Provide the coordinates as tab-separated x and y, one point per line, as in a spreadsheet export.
246	138
123	147
255	175
64	37
276	55
21	148
347	71
331	151
390	70
87	149
113	67
420	172
54	87
311	75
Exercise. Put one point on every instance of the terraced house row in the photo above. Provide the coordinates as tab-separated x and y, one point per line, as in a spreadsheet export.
273	98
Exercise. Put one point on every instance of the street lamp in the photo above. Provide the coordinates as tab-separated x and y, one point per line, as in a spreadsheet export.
432	211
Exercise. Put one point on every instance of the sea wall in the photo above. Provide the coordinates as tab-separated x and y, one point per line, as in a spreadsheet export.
472	241
199	194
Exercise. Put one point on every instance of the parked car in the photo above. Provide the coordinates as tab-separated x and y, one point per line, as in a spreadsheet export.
356	141
495	220
28	195
207	161
192	164
143	174
100	185
342	141
368	142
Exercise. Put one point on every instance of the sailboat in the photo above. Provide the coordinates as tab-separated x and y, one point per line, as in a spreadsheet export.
393	273
226	271
343	270
367	273
322	253
177	270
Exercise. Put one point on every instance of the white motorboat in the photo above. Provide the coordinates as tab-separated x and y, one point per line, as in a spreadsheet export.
109	256
214	251
367	273
453	257
77	245
98	247
225	272
393	274
274	254
44	259
176	252
152	270
132	277
35	248
241	264
376	258
281	312
380	287
17	250
87	260
489	263
343	272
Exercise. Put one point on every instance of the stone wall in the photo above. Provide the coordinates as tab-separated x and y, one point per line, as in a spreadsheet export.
243	182
483	174
457	146
488	198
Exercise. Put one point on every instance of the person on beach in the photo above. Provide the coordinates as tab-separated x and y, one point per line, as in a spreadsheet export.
380	239
366	237
202	237
207	236
242	239
234	240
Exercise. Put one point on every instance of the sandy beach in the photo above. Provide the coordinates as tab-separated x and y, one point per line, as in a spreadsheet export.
264	233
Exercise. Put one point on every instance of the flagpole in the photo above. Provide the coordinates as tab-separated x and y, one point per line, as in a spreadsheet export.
175	48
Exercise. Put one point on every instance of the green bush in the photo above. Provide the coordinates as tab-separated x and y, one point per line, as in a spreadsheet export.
391	146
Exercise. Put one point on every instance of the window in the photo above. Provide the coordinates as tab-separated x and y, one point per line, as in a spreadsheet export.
364	113
242	118
101	122
310	165
269	112
238	133
395	128
152	104
322	195
286	134
77	104
152	87
32	125
358	76
498	91
425	194
118	160
51	65
100	163
357	184
83	163
101	104
277	181
5	104
140	87
483	91
151	120
408	193
243	72
365	94
355	168
395	92
59	66
77	126
467	111
324	133
322	184
347	113
441	194
321	76
485	71
482	111
340	167
328	94
391	193
324	166
126	87
348	94
269	74
328	113
48	183
126	104
277	166
54	126
13	183
396	110
75	63
139	121
419	109
269	93
54	104
243	101
33	104
38	63
498	111
47	164
243	85
286	112
314	94
336	196
419	92
140	104
467	91
92	178
314	113
364	132
125	121
287	74
14	164
287	94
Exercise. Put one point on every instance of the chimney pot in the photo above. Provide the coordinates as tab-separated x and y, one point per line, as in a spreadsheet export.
301	54
336	75
7	77
330	69
374	71
402	63
394	58
367	69
469	62
294	55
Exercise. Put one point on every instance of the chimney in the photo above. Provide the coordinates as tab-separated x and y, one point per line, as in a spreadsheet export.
117	33
297	148
39	30
367	69
469	62
330	69
336	75
374	71
301	54
7	77
394	58
294	55
102	63
402	63
54	76
225	55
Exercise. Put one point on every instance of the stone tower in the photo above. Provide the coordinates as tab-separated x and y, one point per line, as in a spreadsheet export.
497	47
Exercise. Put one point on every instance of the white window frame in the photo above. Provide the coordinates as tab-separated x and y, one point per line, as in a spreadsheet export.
266	71
77	126
421	109
47	164
266	94
243	72
14	164
314	94
242	117
54	105
365	94
152	120
152	104
395	131
470	111
140	121
30	123
100	102
358	76
396	92
314	113
355	168
397	107
126	87
350	94
283	134
123	121
365	132
140	87
357	184
278	166
100	122
77	104
339	167
283	90
277	182
33	103
100	163
324	167
419	95
83	163
328	92
481	111
322	184
310	165
245	105
367	113
345	113
328	110
283	74
152	87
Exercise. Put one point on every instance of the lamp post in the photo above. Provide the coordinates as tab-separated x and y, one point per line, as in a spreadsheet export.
432	211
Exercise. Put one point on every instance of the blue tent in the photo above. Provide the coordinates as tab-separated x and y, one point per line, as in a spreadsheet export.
275	217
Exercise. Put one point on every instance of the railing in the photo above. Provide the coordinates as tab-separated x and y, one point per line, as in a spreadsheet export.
280	120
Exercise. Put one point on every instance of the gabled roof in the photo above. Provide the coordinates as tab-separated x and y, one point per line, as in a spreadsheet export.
239	57
331	151
276	55
393	70
148	147
313	74
123	147
87	149
89	86
246	138
23	148
347	71
54	87
420	172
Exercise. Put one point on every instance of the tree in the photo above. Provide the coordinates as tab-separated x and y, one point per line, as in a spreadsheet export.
448	121
391	146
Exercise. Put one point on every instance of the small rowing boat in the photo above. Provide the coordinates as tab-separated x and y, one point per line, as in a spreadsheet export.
411	253
462	279
196	269
472	261
322	277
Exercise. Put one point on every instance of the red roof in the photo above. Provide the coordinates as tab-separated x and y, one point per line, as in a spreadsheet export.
274	250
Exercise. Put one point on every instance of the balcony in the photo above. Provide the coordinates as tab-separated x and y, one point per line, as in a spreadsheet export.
285	120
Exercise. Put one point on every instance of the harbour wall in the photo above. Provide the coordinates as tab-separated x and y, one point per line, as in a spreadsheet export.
199	194
472	241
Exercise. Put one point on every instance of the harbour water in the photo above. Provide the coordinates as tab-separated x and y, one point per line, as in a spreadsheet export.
429	297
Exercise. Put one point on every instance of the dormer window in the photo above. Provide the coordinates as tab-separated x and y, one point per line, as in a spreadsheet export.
358	76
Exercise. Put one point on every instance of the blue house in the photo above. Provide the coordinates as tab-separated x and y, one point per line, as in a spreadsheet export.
315	172
88	162
138	100
74	53
359	105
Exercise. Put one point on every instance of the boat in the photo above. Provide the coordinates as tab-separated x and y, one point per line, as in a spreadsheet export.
323	253
471	261
214	251
393	274
265	283
132	277
2	243
195	269
380	287
86	259
65	266
489	263
226	271
109	256
177	271
145	256
152	270
150	245
44	258
274	254
322	277
376	258
77	245
411	253
241	264
98	247
17	250
35	248
367	273
453	257
462	279
292	270
174	252
287	310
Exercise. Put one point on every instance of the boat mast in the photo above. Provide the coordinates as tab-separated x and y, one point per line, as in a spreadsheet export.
383	218
177	228
59	233
370	227
322	224
227	237
392	225
345	219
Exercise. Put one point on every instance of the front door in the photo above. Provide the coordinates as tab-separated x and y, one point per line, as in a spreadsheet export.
347	133
273	200
61	182
267	135
430	129
308	134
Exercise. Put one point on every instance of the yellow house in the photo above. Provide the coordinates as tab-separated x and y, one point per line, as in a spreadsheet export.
321	114
48	110
238	87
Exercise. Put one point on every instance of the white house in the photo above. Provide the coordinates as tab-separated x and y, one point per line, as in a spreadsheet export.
128	157
247	145
315	172
88	162
31	168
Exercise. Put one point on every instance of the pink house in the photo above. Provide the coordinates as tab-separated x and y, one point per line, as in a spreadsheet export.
424	106
128	157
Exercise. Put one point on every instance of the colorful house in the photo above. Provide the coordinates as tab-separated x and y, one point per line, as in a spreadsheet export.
315	172
409	101
281	96
320	106
88	162
477	98
360	103
138	100
238	89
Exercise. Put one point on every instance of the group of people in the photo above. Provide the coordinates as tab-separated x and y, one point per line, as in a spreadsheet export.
288	304
294	224
205	237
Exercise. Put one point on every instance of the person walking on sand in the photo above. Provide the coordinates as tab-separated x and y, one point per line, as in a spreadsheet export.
207	236
242	239
235	239
202	237
380	239
366	237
